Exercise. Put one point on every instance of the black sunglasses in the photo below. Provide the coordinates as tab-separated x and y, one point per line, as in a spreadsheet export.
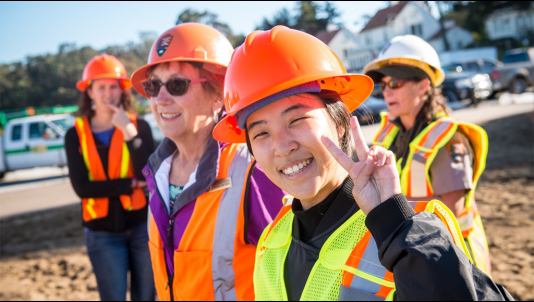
176	87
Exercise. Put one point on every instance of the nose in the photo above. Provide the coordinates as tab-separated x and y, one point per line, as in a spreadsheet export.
164	97
283	145
387	92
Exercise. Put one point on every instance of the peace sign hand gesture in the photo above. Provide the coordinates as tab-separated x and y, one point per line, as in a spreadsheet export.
375	176
121	121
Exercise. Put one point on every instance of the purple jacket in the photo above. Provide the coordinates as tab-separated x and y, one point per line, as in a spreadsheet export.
263	204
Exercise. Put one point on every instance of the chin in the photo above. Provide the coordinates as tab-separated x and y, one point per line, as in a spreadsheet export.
305	191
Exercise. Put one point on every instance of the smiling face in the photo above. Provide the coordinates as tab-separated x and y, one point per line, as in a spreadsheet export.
187	114
285	137
105	92
406	100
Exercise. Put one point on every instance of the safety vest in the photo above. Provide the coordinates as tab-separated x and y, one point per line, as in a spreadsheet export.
348	268
119	166
212	262
415	177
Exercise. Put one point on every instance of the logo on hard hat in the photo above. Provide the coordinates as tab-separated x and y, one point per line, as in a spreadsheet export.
163	44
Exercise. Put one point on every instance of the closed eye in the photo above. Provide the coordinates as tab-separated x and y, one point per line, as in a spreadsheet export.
299	119
260	135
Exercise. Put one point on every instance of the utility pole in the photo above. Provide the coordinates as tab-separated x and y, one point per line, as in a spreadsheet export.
442	25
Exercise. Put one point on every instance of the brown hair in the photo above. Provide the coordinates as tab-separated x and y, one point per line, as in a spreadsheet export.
85	103
435	104
339	116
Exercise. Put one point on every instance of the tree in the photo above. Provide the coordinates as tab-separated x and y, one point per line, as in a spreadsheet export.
306	18
211	19
50	80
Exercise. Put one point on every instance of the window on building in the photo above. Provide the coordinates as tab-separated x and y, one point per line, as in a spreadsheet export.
417	29
506	24
16	134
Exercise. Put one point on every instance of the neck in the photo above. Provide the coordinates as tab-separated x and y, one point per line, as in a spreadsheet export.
325	191
192	146
408	120
102	118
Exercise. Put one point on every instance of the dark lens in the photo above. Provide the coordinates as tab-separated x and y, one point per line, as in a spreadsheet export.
177	87
395	83
152	88
383	86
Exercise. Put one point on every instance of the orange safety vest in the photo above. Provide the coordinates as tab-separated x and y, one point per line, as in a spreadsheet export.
119	166
212	262
348	267
415	177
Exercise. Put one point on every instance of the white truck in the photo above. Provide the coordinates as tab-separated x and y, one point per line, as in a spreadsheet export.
35	141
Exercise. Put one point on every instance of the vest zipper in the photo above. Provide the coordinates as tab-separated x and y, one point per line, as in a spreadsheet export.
169	233
171	244
169	285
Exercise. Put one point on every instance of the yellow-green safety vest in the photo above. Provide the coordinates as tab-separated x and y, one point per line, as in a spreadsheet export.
348	267
415	176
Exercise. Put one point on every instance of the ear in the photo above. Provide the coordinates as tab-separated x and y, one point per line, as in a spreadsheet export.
217	104
424	85
340	132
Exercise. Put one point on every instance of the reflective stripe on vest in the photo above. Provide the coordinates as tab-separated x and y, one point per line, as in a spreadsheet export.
212	262
119	167
348	261
416	182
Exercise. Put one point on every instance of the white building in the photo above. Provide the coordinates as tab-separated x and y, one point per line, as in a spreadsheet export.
457	37
341	41
402	18
510	23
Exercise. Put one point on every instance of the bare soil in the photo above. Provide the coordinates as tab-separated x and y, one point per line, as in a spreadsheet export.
43	255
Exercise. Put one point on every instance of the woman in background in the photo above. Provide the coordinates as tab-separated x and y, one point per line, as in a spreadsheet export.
106	150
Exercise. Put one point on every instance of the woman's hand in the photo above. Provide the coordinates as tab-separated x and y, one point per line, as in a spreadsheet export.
375	176
121	121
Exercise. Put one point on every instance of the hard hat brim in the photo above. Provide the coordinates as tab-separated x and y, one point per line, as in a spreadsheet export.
125	82
140	75
434	73
353	89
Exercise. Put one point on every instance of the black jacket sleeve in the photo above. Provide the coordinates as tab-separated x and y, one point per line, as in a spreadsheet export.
140	148
79	175
426	263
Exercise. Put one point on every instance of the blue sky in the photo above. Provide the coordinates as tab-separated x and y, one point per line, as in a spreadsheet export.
32	28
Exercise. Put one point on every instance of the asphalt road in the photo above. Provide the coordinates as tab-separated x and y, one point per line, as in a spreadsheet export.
44	188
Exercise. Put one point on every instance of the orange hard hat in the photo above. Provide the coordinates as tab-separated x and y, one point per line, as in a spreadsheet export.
187	42
271	62
103	67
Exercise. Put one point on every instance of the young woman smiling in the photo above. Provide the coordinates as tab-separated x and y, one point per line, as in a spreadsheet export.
209	201
349	233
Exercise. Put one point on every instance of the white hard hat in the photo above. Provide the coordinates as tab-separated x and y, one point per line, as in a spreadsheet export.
407	56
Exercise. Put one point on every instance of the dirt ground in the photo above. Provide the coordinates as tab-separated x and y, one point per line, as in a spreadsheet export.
42	255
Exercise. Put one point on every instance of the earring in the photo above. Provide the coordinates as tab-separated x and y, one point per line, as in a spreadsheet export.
93	106
216	117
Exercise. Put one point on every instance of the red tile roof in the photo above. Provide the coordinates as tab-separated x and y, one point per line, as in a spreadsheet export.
327	36
385	15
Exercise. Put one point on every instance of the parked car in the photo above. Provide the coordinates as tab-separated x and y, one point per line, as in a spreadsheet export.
517	72
486	66
35	141
460	84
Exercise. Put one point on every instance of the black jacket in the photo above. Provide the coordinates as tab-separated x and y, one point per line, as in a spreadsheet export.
418	249
118	220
